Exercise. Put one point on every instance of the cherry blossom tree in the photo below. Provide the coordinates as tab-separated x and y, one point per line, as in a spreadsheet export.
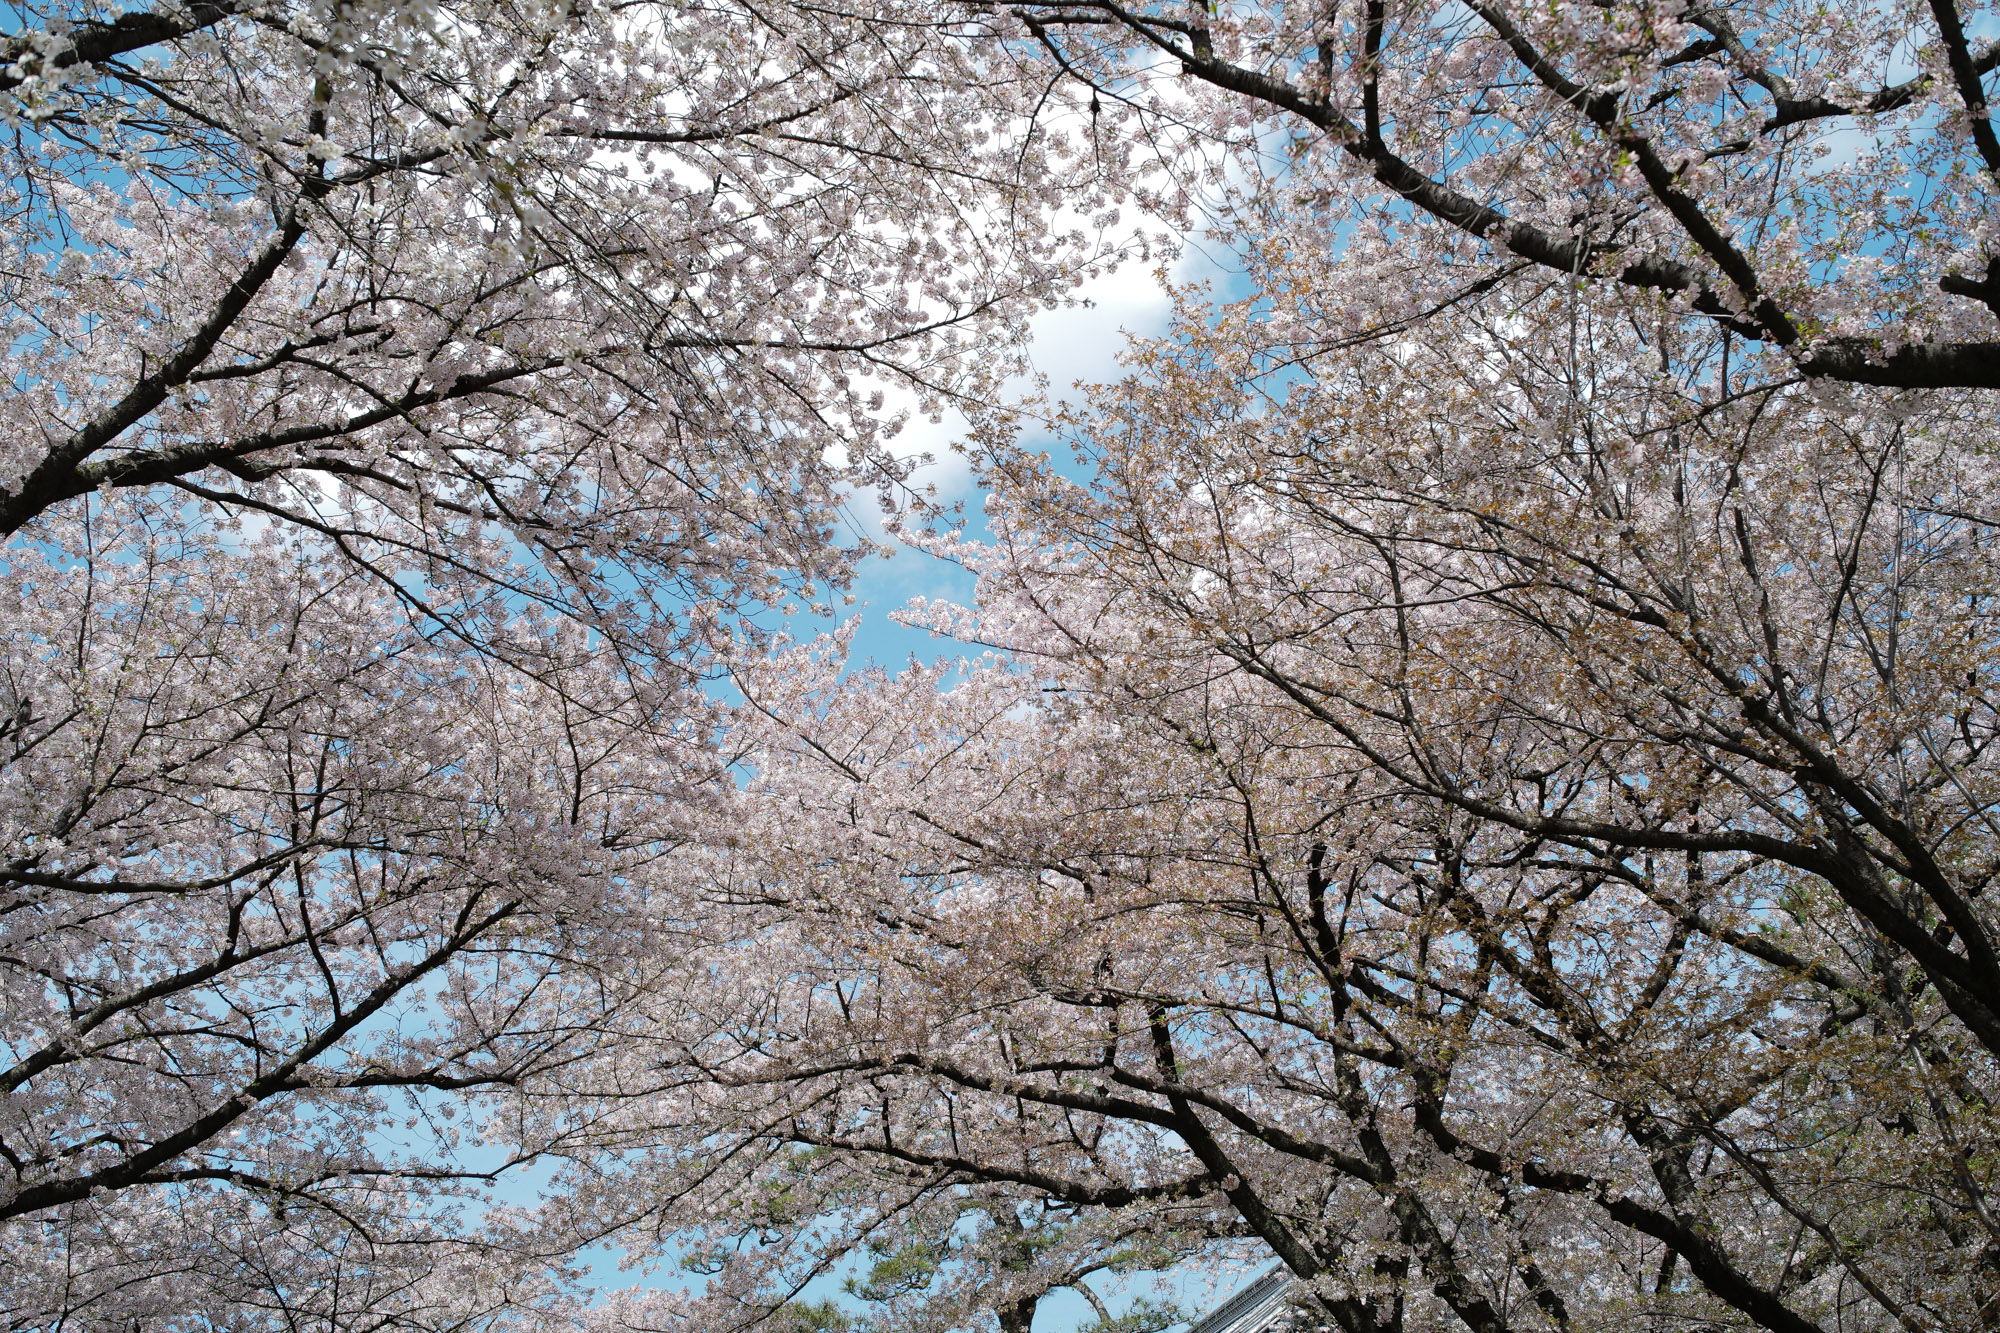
1816	180
1486	787
407	405
1506	828
606	293
283	870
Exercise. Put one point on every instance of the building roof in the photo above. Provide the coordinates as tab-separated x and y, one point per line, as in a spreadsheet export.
1257	1308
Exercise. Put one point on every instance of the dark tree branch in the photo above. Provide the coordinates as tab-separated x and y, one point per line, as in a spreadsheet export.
95	43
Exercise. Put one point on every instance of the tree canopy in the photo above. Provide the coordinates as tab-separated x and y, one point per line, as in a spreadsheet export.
1472	766
408	406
